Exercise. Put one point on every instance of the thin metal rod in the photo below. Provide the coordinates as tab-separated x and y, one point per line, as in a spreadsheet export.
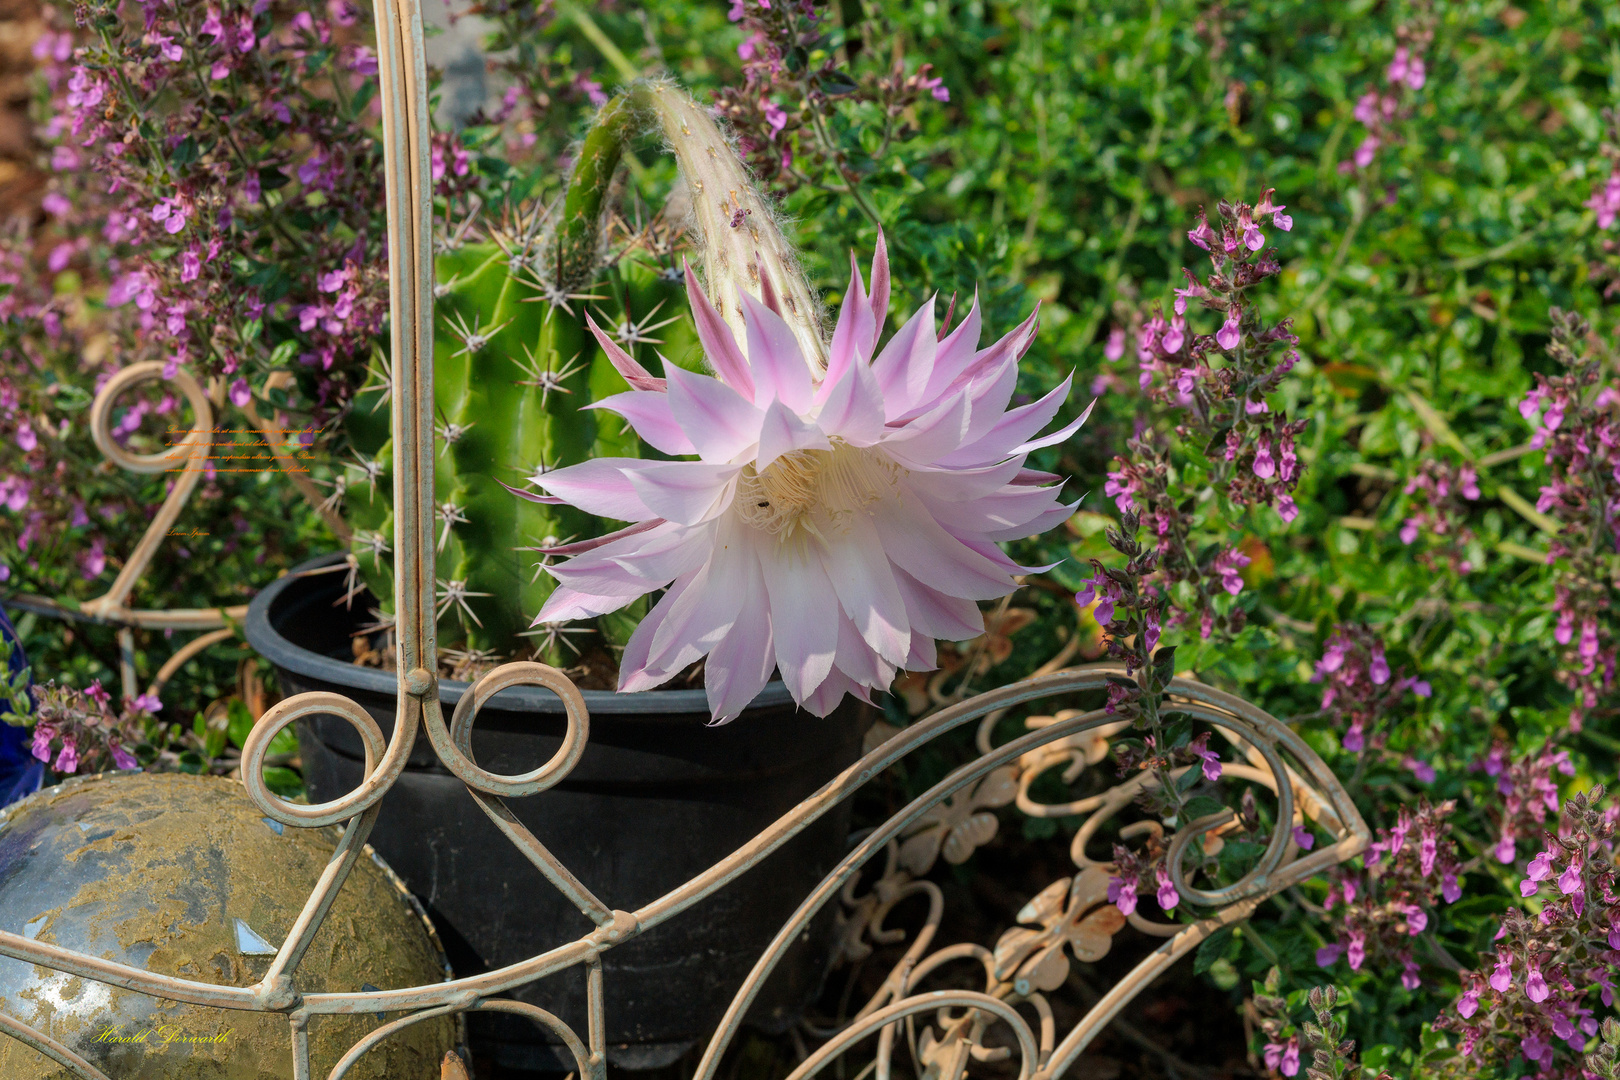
336	871
52	1049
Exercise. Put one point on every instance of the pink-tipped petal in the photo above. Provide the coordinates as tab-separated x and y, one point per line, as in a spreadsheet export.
544	500
634	673
1062	435
855	328
957	350
700	618
1007	509
637	564
857	661
964	485
930	437
878	298
719	345
580	547
599	486
566	605
637	376
779	367
1011	346
825	698
924	655
1006	436
903	367
1048	519
650	414
917	544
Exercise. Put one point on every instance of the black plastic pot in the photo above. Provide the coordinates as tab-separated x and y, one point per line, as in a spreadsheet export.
657	798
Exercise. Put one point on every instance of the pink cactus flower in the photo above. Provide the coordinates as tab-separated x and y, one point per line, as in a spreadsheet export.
834	525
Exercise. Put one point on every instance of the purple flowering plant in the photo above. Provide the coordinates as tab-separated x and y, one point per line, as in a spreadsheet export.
1212	446
817	107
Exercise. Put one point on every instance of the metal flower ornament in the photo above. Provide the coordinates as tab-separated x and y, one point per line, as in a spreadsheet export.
836	522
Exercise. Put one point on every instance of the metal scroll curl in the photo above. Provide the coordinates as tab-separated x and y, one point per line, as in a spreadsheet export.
944	1029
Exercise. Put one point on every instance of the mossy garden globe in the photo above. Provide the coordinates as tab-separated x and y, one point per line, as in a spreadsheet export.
184	876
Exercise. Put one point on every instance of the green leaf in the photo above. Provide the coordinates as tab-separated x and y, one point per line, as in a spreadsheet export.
272	178
1215	947
284	782
362	97
1202	805
1164	664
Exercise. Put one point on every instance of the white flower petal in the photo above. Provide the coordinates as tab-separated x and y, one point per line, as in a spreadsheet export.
1062	435
719	345
937	616
825	698
956	351
961	484
600	486
686	492
902	368
637	564
931	437
862	578
924	655
856	660
704	614
1013	428
804	615
1007	509
637	376
917	544
741	665
783	432
779	367
634	673
853	407
719	421
566	605
856	327
1050	519
649	413
877	297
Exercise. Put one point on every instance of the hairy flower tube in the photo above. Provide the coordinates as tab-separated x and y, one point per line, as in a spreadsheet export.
833	529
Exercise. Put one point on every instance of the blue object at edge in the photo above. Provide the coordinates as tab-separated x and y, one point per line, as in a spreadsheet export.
21	773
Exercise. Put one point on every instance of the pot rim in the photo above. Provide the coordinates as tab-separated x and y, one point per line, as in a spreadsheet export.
269	643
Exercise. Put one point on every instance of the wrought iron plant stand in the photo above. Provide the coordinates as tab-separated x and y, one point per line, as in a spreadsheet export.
1071	916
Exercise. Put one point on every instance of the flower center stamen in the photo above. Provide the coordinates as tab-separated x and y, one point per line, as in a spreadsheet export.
812	490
